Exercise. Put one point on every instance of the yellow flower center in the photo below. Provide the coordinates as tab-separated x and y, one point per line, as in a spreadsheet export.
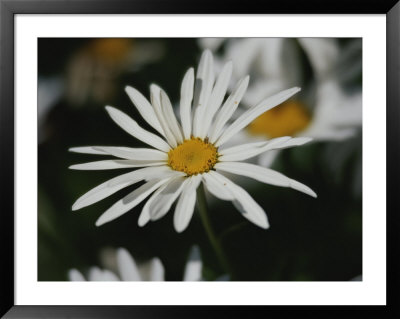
193	156
286	119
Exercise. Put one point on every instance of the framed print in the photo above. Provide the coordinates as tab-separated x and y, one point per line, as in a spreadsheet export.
161	160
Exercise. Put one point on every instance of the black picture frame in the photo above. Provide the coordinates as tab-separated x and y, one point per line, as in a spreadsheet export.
8	10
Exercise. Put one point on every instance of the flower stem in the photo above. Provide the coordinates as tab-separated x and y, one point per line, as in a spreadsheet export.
205	218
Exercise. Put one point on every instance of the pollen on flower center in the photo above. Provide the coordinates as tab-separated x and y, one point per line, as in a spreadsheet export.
286	119
193	156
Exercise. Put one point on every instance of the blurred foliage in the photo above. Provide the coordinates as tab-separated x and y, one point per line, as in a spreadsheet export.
309	239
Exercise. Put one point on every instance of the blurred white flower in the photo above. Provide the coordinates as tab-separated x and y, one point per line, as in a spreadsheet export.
194	266
189	152
324	111
128	270
93	71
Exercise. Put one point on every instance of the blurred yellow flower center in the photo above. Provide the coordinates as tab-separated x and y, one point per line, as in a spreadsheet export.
193	156
286	119
113	49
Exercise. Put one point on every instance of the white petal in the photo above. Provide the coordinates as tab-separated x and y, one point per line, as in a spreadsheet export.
123	152
203	87
144	217
126	266
264	87
350	112
96	274
215	188
210	43
243	52
148	154
131	127
114	164
185	206
244	202
144	107
219	90
242	138
113	185
323	53
155	95
193	266
216	97
87	150
247	117
295	141
156	270
170	117
161	201
245	151
157	172
264	175
75	275
184	211
167	197
302	188
272	62
228	109
268	158
109	276
129	201
186	103
331	134
337	115
243	148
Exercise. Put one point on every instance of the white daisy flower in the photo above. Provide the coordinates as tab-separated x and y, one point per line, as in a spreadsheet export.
325	112
189	153
128	270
